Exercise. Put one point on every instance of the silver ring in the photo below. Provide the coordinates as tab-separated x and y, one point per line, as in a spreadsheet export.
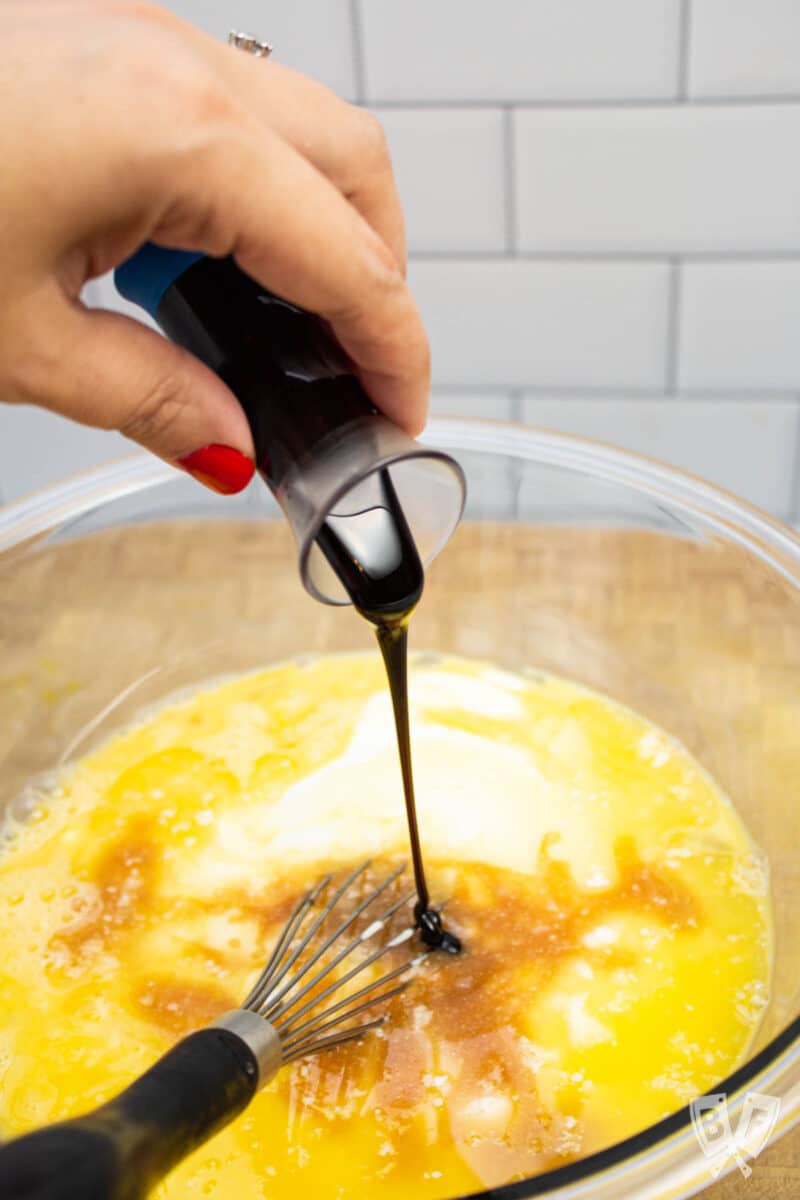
250	44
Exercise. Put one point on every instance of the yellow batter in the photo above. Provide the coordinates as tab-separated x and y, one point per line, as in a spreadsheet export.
615	915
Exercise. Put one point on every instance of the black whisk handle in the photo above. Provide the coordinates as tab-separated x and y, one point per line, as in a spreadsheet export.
121	1150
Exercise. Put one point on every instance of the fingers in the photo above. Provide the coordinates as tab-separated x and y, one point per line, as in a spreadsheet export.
254	196
191	157
105	370
343	142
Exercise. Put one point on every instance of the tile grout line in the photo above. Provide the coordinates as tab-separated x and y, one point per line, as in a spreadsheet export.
625	393
674	299
684	49
510	182
357	47
610	257
756	100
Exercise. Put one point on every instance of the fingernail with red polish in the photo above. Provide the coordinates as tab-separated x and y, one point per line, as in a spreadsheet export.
220	467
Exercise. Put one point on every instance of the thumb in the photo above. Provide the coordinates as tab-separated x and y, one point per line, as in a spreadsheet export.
114	373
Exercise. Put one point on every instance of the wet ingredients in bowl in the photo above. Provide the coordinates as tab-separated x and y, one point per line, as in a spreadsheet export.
614	912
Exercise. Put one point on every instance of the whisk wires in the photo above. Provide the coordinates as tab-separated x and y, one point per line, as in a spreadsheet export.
291	992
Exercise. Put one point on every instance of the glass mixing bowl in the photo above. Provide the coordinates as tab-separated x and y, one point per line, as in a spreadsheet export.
124	584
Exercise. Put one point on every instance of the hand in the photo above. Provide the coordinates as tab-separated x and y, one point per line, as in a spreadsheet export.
122	124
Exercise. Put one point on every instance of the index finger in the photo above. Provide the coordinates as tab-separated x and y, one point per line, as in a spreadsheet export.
244	190
342	141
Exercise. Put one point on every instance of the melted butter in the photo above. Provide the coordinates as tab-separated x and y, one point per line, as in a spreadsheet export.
614	911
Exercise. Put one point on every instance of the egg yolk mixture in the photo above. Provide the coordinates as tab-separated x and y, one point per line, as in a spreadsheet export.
614	913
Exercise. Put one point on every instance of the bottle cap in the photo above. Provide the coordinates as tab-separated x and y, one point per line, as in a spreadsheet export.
146	275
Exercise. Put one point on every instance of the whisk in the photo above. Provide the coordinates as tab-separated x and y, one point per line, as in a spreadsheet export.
302	1003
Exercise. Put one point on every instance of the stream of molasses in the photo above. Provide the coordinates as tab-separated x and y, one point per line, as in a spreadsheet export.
374	555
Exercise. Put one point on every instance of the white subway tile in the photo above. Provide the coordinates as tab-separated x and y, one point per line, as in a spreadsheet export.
512	323
314	36
520	49
745	446
739	325
101	293
496	406
677	179
744	47
450	172
38	448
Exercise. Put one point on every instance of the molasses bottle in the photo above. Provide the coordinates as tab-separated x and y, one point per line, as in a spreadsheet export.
365	501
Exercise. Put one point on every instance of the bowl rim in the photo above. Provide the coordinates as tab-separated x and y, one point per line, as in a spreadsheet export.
666	1152
34	513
